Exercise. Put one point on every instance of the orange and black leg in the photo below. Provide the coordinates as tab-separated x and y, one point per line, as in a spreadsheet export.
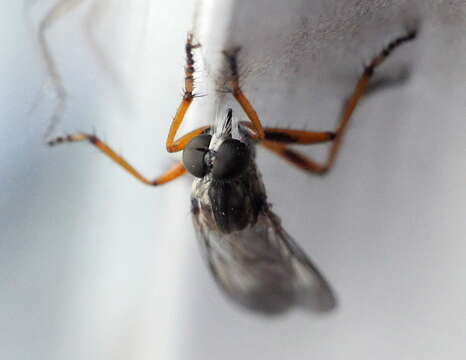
170	175
179	144
172	145
290	136
239	95
277	141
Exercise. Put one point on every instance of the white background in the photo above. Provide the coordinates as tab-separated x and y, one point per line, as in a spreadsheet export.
94	265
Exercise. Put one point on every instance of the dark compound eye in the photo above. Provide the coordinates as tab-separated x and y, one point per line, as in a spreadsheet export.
193	155
231	159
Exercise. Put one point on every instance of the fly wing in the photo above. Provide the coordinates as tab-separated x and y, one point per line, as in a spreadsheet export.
263	269
312	289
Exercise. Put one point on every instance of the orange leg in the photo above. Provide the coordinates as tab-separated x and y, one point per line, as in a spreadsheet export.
357	94
290	136
181	142
178	145
304	162
172	144
170	175
301	161
239	95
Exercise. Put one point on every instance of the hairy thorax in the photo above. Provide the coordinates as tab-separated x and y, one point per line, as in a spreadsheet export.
225	206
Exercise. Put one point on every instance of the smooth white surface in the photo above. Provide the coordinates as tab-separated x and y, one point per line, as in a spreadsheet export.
94	265
92	262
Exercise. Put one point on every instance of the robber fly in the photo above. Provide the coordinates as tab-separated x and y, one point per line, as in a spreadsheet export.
252	258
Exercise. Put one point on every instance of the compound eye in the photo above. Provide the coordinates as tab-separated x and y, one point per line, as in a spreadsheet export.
193	155
231	159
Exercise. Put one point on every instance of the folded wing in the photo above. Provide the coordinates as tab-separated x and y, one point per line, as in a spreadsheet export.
263	269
